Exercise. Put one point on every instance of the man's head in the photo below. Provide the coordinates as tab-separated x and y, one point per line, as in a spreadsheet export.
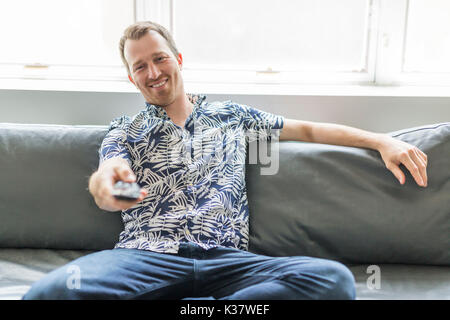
153	62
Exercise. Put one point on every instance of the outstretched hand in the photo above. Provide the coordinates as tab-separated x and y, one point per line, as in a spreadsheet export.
395	152
102	182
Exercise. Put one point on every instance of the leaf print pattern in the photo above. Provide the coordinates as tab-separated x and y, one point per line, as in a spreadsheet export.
195	175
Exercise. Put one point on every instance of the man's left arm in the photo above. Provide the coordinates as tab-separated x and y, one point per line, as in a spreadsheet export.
393	151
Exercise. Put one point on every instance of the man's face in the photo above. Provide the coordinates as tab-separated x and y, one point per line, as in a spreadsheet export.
154	69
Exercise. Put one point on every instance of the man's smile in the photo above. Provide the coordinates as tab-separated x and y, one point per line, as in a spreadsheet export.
159	84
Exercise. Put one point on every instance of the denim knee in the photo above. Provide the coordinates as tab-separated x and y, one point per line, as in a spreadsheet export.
53	286
321	279
343	282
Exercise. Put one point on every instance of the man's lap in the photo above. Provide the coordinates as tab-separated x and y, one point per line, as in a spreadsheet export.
218	272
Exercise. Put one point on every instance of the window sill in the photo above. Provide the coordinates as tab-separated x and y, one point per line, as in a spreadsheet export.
320	90
232	89
67	85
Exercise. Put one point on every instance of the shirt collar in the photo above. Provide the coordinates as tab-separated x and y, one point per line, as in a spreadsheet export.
158	111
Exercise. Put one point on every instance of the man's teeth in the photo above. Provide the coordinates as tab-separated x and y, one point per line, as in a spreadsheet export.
158	84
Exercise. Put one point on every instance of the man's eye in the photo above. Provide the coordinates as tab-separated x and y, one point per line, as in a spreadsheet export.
160	58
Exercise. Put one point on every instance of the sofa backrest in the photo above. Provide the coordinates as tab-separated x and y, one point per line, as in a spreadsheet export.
342	203
326	201
44	201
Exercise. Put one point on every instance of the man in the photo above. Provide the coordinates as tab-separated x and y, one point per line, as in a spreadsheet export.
186	235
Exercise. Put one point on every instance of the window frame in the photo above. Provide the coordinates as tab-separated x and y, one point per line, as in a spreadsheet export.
392	49
383	65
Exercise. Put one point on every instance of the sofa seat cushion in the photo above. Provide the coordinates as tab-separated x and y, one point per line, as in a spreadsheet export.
402	282
20	268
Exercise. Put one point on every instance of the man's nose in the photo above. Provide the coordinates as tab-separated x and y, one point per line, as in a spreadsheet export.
153	72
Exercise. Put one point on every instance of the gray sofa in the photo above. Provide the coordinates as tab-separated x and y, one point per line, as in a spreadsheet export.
325	201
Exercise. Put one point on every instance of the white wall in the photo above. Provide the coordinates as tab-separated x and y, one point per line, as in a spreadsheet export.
378	114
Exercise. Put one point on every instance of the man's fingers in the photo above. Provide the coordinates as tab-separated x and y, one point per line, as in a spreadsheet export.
423	156
415	167
124	204
394	153
144	193
422	165
398	173
107	201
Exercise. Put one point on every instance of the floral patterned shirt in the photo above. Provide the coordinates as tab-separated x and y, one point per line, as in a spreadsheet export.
195	175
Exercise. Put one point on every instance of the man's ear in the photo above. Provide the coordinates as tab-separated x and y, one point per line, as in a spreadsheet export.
131	79
180	60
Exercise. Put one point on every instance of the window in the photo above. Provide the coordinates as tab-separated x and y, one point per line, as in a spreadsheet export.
281	41
372	42
235	43
283	35
427	42
63	39
426	52
414	42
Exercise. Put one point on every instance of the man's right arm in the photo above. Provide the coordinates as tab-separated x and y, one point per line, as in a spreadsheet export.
102	181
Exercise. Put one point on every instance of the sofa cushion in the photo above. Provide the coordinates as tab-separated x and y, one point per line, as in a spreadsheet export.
342	203
44	201
401	282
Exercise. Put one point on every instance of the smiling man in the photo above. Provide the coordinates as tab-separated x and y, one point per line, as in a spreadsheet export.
186	236
156	73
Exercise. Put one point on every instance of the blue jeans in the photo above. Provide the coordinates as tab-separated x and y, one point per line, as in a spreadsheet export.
218	273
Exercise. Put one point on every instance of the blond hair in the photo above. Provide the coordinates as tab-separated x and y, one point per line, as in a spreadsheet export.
140	29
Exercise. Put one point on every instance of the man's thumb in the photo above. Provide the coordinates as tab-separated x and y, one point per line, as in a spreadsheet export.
130	177
125	174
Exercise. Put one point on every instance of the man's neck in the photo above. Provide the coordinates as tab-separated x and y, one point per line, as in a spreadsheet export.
179	110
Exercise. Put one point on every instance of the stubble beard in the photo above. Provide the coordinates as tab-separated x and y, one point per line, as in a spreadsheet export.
161	98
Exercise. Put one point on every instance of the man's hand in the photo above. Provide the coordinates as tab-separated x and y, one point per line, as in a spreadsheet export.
102	181
395	152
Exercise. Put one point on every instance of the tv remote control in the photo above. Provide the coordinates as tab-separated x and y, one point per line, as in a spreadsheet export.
126	191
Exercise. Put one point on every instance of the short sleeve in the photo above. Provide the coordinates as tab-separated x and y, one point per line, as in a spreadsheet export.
258	124
115	142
